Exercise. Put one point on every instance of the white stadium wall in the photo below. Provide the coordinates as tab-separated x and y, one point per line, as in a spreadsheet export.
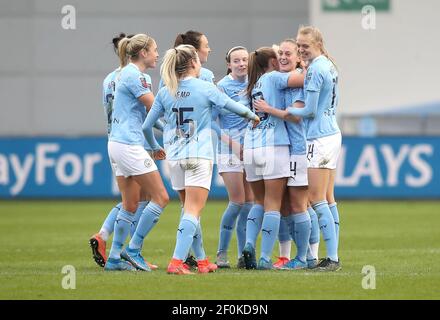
50	78
392	66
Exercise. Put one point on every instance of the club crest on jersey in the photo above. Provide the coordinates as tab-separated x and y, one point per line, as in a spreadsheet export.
144	83
148	163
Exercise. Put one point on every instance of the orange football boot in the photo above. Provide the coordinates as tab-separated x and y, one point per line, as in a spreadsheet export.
204	266
176	267
98	249
280	262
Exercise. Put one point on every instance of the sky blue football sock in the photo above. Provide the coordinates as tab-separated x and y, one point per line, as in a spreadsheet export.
312	252
149	218
334	210
137	216
291	224
269	233
227	225
314	235
241	226
109	222
185	233
123	224
302	234
197	244
327	226
284	234
253	224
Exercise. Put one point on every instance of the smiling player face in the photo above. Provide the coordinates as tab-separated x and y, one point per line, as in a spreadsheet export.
288	56
307	49
151	56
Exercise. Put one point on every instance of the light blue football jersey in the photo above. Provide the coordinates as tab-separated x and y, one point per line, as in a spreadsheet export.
232	124
128	112
322	77
296	131
206	75
271	131
108	95
187	133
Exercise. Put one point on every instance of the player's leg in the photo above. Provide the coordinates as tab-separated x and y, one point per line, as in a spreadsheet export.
195	200
274	191
312	252
254	176
242	220
149	217
253	224
284	234
236	193
332	202
130	198
302	225
318	182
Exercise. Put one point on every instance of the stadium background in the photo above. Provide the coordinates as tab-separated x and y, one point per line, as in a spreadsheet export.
52	128
53	146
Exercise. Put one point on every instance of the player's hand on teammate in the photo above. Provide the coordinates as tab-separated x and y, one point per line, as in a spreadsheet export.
256	122
261	105
159	154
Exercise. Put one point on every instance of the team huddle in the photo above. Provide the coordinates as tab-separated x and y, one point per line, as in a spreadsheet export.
269	125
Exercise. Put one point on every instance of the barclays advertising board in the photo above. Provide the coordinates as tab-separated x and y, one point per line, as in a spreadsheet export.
391	167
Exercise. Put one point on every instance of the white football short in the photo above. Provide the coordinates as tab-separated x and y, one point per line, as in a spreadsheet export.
298	171
129	160
266	163
229	163
323	153
192	172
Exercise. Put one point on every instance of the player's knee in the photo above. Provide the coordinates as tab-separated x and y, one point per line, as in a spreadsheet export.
131	206
162	199
298	207
238	199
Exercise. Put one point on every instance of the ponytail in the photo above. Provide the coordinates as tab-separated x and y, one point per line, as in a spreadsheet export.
258	64
167	71
175	66
122	52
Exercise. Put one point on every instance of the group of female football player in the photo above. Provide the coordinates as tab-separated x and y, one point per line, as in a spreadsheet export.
270	126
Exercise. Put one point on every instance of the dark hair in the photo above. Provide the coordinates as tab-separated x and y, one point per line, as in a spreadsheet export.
228	56
191	37
118	38
258	64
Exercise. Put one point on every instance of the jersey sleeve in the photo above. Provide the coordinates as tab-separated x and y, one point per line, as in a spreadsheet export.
217	98
280	79
153	116
315	80
104	94
138	85
300	96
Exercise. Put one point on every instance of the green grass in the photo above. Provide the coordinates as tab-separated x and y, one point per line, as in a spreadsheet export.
37	238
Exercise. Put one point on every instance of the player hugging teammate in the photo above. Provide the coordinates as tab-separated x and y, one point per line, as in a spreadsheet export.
274	116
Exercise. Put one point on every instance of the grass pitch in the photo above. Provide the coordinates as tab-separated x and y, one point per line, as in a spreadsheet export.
401	240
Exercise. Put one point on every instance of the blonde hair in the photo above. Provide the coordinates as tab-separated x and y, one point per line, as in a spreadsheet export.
176	64
317	39
129	48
